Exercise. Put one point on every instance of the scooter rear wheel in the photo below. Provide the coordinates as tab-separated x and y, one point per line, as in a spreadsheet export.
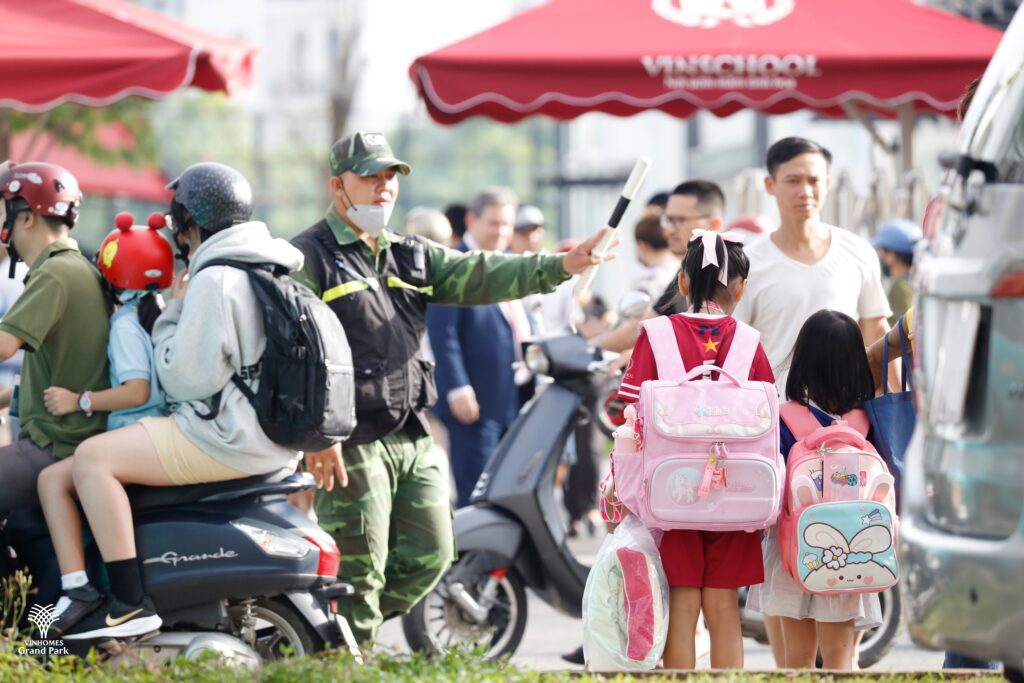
438	623
277	627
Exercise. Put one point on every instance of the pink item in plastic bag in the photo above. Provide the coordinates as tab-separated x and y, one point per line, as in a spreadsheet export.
639	602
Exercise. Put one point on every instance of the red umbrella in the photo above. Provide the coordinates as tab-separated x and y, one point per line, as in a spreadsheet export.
95	52
622	57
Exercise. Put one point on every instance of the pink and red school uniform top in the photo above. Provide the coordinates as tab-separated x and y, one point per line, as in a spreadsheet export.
702	559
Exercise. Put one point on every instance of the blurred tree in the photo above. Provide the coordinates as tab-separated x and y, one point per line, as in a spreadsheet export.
345	67
76	127
287	180
451	163
194	126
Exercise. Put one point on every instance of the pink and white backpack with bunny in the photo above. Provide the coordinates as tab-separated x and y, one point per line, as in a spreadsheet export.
837	533
701	454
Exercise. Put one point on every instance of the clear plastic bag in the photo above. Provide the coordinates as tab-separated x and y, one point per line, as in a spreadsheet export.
625	602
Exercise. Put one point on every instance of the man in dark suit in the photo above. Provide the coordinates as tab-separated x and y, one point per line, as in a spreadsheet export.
475	349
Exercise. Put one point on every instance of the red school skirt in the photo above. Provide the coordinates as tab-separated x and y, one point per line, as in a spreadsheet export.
712	559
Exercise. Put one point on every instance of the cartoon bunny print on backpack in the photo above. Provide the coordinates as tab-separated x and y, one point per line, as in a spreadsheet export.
848	563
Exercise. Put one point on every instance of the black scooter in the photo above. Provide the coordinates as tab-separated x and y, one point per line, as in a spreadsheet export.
232	567
512	535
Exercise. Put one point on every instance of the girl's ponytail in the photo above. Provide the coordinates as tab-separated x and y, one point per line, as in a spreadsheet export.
150	308
705	271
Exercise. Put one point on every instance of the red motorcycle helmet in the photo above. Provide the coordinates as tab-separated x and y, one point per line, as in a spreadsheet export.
137	257
48	189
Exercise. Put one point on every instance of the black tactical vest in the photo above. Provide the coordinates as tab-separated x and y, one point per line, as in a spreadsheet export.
383	306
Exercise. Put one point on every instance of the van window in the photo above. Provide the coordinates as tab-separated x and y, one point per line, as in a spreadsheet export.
998	133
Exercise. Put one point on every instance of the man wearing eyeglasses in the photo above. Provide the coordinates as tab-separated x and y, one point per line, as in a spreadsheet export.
692	205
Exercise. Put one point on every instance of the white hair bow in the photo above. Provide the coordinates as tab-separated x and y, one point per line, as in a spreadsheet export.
709	239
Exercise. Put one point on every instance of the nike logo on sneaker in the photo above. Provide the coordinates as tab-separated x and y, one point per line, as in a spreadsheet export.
120	620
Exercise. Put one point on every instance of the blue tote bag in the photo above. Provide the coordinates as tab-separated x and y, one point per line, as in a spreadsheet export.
892	414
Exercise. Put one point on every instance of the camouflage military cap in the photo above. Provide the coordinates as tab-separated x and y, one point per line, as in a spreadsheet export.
364	154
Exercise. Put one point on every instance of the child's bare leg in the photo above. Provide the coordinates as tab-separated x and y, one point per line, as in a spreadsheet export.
858	636
837	647
722	611
683	610
801	636
776	638
58	499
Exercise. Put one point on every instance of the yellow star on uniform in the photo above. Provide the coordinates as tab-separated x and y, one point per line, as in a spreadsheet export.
711	345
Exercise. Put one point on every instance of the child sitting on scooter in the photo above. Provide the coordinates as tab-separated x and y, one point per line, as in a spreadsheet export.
705	569
136	262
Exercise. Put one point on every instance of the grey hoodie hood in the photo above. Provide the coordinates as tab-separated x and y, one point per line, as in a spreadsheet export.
247	242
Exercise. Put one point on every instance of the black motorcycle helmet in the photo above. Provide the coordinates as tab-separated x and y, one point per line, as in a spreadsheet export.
210	196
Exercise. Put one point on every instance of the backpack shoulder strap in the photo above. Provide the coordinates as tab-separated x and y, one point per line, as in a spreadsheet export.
741	351
274	268
799	419
857	419
225	262
666	350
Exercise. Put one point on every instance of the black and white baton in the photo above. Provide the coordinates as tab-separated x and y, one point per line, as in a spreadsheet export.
636	178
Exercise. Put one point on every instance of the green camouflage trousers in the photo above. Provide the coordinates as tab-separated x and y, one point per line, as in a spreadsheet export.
393	525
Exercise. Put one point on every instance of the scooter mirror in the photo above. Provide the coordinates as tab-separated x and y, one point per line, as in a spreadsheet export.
634	304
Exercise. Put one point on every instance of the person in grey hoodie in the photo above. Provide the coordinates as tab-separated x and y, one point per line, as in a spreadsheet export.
206	334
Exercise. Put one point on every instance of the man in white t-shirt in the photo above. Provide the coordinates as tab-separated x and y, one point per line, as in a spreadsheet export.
806	265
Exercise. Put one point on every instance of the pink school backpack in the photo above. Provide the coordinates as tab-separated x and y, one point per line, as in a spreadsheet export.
701	454
838	528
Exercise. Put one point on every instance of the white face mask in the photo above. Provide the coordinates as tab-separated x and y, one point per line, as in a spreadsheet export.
370	218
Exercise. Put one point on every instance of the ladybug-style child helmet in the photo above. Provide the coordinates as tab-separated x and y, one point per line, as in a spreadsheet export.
137	257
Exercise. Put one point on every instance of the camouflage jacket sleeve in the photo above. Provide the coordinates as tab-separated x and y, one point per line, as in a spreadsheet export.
483	277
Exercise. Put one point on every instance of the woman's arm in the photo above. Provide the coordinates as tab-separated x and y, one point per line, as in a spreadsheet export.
876	351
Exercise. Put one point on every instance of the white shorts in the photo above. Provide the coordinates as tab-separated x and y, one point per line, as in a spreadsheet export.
781	596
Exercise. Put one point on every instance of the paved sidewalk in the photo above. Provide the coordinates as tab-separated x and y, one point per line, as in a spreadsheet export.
549	634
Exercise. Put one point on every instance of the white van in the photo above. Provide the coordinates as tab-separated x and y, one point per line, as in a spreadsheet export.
962	525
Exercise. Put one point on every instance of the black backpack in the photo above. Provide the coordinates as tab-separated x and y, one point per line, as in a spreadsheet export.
305	400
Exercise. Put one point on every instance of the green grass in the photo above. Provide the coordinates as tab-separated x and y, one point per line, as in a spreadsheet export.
337	667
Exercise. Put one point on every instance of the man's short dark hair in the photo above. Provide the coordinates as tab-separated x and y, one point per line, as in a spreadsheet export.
456	215
660	200
708	194
52	223
790	148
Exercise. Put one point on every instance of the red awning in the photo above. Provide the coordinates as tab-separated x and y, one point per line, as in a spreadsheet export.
95	52
116	180
622	57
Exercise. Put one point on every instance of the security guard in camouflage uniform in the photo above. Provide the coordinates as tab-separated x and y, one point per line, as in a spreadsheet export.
392	521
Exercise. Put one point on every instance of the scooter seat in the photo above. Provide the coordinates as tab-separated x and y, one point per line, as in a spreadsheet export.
282	482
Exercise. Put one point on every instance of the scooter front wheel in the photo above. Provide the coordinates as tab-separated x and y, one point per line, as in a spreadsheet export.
486	611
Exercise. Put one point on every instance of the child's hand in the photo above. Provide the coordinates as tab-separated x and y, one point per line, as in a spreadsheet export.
60	401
